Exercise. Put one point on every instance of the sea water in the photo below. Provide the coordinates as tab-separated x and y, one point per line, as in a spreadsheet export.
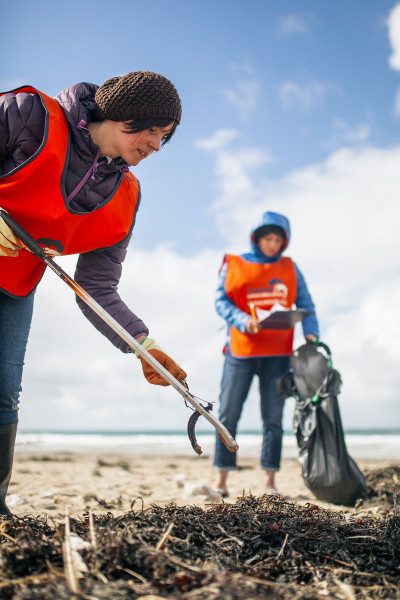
371	444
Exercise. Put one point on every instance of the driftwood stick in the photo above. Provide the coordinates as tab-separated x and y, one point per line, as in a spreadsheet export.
228	537
69	571
92	530
283	546
165	537
134	574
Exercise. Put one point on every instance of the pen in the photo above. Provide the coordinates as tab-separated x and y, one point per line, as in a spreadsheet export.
253	315
253	311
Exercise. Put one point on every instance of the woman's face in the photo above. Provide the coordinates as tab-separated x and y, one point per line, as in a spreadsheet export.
270	244
134	147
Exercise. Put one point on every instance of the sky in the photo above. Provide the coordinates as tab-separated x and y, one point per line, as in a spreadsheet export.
287	106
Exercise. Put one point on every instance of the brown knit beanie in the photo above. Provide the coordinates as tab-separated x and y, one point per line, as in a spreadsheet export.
138	95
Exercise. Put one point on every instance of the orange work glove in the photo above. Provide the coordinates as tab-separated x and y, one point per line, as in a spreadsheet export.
9	244
151	375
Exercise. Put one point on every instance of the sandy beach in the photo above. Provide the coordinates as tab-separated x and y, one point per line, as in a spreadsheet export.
180	542
45	483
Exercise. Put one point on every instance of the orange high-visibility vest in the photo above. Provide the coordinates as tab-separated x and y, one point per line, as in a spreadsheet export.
33	195
261	284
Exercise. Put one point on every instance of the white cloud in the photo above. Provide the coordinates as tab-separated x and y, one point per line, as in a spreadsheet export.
344	214
244	93
393	24
220	139
292	24
236	170
304	96
353	135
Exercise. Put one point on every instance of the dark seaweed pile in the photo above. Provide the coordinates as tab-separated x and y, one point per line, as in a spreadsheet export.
256	548
384	486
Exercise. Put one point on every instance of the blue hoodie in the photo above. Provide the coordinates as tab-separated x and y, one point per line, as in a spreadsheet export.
237	318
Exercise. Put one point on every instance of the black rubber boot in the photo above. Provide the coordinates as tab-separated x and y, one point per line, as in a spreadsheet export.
7	442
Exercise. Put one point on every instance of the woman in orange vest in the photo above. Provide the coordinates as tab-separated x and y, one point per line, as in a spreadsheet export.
258	280
64	175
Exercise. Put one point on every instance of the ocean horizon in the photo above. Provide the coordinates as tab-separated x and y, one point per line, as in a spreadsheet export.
362	443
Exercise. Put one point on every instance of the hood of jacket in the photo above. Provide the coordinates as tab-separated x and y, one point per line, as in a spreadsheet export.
268	218
77	102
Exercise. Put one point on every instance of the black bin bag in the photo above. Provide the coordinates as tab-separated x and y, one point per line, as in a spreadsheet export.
327	468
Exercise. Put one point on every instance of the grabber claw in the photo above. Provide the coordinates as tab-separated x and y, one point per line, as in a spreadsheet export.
221	430
191	428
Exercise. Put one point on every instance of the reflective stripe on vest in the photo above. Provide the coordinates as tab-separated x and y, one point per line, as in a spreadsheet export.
262	284
34	195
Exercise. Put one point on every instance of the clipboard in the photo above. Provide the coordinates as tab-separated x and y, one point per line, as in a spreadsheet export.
284	319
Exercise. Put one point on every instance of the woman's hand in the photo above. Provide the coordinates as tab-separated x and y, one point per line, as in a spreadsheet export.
9	244
311	338
166	361
252	326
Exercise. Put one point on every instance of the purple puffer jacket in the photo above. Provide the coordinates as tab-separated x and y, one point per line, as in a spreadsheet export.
89	179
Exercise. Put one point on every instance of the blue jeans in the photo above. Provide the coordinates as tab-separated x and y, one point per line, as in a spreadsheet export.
237	376
15	322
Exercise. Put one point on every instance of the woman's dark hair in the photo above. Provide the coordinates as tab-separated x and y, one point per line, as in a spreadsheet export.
266	229
137	125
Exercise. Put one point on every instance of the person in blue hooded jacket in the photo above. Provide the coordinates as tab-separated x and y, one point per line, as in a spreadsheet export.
249	284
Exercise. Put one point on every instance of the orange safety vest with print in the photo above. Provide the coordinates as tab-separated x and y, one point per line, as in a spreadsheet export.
261	284
33	195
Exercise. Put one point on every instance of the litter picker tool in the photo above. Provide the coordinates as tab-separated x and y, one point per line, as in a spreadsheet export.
28	241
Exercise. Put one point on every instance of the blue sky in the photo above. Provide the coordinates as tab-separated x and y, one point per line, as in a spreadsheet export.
288	106
291	77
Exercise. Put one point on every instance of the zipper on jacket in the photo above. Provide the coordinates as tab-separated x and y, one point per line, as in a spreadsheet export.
91	172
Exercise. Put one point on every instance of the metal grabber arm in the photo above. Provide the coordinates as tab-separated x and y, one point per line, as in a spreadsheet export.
29	242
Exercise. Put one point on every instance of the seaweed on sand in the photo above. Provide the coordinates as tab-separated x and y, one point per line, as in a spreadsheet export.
255	548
